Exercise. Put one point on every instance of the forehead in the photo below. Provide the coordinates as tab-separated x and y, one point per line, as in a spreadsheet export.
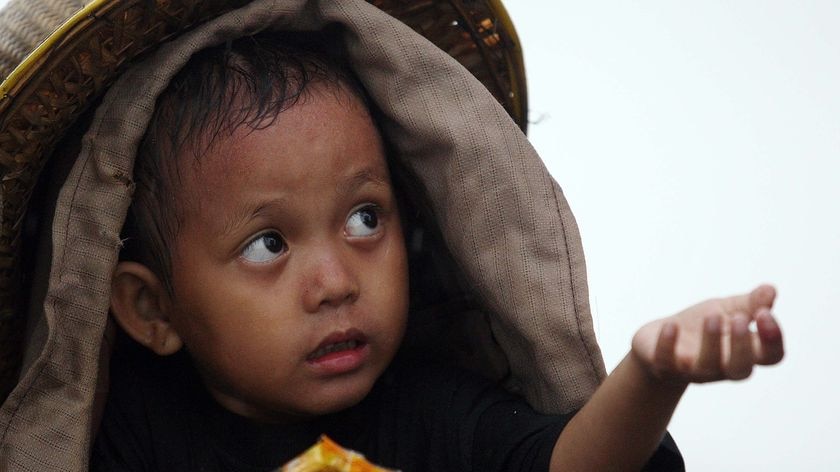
327	137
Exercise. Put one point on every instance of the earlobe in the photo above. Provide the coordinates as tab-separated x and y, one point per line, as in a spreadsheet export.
140	304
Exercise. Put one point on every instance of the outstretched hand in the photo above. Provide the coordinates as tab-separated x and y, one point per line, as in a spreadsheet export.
712	340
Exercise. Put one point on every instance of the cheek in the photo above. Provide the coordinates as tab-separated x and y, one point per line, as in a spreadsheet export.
224	323
248	353
395	278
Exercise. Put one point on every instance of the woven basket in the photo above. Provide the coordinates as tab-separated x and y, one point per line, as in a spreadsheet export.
63	77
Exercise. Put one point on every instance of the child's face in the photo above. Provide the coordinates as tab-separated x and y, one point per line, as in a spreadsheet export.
289	271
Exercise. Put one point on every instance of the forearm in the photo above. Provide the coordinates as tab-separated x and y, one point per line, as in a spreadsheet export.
620	427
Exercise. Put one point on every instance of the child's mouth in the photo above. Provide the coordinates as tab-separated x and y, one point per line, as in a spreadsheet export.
331	348
340	353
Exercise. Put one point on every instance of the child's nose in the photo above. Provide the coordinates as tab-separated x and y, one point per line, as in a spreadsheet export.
331	280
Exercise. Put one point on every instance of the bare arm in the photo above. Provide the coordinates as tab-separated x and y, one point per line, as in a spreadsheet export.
621	425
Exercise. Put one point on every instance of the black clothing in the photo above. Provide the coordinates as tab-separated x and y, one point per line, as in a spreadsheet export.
418	417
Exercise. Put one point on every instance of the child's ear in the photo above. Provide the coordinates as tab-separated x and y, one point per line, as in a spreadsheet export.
140	304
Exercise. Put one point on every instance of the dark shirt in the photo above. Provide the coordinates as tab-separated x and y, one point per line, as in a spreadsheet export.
418	417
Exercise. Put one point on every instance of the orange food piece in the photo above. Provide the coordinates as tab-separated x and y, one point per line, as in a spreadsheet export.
327	456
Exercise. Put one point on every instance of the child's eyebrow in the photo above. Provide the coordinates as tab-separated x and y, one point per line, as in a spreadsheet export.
344	190
361	178
241	218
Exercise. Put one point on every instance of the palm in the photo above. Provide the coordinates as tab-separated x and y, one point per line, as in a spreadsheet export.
711	340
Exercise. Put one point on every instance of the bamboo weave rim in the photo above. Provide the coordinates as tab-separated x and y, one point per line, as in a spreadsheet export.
62	78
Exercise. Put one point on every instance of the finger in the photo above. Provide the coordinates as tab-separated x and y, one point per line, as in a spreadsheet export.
708	362
749	303
767	343
741	349
664	357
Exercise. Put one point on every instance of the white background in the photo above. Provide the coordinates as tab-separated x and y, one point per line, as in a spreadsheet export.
698	144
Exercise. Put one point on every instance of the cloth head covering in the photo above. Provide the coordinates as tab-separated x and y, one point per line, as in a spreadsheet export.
502	215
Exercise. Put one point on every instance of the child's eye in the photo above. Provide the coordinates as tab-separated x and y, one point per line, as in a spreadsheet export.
363	222
264	248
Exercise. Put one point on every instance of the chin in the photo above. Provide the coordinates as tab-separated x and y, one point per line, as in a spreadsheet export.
342	396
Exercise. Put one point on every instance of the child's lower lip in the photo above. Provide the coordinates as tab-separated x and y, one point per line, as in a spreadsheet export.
341	362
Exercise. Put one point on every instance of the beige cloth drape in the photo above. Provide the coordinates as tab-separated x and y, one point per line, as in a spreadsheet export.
502	215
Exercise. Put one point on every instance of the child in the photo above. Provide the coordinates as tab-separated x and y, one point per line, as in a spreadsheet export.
268	267
262	288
